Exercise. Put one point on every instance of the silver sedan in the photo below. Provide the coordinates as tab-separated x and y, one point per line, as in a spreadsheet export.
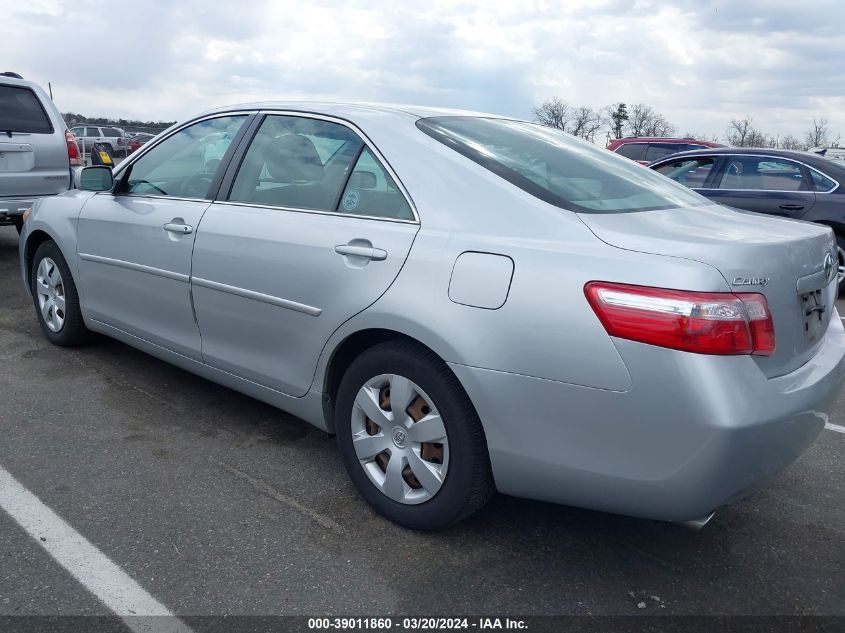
470	303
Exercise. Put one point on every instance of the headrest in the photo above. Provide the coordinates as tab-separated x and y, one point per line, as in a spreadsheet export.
293	157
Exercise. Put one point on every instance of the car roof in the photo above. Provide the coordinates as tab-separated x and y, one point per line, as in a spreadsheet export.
813	160
352	110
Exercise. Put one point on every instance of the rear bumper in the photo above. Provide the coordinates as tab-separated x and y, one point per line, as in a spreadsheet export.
693	433
10	207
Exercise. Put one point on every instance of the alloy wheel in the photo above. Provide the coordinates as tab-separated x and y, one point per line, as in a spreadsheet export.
50	289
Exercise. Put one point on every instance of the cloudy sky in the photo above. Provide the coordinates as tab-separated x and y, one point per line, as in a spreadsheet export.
699	62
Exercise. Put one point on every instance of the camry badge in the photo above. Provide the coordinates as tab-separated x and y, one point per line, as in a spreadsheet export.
751	281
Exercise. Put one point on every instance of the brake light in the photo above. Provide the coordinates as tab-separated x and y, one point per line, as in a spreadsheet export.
702	322
72	149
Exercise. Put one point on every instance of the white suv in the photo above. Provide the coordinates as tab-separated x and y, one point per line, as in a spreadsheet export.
86	135
37	150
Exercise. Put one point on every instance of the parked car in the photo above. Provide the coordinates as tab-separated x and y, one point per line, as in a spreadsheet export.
36	148
790	184
468	302
108	135
139	139
647	149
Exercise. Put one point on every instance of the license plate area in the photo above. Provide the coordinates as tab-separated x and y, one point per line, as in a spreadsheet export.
813	309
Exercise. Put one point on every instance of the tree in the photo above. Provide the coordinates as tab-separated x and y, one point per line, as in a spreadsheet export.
617	114
817	133
738	131
585	123
554	113
756	138
644	121
790	142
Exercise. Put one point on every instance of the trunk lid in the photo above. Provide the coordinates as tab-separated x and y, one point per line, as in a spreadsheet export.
782	259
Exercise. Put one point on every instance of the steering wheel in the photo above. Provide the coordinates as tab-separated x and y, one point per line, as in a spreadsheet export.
195	186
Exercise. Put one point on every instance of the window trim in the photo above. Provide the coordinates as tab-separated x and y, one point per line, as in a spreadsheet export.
235	163
773	157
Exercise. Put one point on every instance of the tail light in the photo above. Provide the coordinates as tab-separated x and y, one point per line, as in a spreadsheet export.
702	322
72	149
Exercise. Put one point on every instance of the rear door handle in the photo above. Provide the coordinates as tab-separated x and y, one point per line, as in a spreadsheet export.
181	229
374	254
792	207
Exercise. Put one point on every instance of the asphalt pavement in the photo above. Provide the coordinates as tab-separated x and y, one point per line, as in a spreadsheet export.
218	504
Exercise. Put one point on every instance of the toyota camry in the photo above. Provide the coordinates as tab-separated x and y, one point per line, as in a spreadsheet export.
470	303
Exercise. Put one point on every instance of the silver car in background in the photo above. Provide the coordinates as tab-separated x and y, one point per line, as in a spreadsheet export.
470	303
36	149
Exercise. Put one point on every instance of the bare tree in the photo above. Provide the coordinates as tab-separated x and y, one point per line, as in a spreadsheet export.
790	142
585	123
738	131
555	113
644	121
817	133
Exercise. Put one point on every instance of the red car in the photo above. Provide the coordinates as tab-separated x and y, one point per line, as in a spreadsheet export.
646	150
138	140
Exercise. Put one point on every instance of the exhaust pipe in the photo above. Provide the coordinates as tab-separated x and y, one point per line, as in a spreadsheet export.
698	524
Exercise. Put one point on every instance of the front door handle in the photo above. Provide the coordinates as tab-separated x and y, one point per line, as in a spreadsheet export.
792	207
177	227
374	254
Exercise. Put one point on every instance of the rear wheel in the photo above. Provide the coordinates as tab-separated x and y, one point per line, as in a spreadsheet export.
410	438
55	297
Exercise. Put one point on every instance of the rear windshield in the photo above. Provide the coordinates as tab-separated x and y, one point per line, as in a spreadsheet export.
20	111
557	167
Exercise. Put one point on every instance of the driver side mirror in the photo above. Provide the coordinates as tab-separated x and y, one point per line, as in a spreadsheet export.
96	178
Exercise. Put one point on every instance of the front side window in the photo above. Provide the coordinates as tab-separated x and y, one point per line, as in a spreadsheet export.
184	164
690	172
371	191
296	162
21	111
558	168
762	173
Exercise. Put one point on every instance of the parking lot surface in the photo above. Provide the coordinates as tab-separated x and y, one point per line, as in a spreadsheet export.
217	504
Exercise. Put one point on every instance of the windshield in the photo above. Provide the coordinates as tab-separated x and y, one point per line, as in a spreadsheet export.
557	167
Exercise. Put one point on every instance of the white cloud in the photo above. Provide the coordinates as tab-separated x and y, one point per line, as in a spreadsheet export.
699	62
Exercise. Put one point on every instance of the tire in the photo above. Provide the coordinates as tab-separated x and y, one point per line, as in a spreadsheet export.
464	466
840	247
72	330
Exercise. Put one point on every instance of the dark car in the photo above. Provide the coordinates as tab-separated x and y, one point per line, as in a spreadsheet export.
647	149
791	184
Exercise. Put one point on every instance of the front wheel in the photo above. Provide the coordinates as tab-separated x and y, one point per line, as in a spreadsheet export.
410	437
55	297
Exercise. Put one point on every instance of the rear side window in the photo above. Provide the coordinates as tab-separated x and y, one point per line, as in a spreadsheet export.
371	191
634	151
821	182
296	162
657	151
690	172
21	111
762	173
109	131
558	168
